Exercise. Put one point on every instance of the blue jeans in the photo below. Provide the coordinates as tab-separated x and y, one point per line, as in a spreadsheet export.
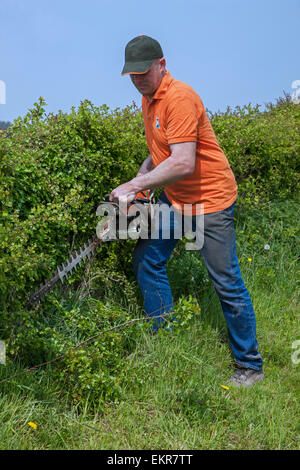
219	255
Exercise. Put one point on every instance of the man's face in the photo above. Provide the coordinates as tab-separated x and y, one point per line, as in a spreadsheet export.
147	83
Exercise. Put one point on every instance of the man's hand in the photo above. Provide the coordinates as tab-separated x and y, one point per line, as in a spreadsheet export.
125	193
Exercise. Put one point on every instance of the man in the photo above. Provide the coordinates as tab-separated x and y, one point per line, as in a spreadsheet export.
186	160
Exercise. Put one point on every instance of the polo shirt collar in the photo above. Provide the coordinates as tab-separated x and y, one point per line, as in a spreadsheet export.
163	87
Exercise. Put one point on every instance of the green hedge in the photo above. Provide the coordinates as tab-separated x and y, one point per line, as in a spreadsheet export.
54	170
263	148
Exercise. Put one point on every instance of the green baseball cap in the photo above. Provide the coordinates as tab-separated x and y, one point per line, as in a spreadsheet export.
140	52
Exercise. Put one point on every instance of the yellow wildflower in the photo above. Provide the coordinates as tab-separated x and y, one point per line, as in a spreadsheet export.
32	424
225	388
249	259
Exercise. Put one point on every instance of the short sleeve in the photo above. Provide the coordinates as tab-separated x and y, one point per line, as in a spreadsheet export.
181	119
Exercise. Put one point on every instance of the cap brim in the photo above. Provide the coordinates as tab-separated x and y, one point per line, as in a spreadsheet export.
137	67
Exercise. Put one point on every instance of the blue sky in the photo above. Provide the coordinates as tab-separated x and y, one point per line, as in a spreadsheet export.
232	52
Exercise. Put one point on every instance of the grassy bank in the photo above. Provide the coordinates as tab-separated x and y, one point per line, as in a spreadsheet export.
173	396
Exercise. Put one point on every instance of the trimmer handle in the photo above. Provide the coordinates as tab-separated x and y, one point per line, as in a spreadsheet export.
141	199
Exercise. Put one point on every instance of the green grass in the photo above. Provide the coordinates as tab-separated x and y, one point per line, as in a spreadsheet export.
173	396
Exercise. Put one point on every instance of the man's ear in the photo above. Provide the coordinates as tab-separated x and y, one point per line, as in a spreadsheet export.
162	64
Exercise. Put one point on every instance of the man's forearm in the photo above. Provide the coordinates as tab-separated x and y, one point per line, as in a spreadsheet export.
179	165
146	166
167	172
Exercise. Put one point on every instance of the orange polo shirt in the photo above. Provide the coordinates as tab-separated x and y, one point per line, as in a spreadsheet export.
176	114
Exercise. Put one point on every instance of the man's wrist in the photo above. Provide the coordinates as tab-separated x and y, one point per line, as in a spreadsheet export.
141	182
137	183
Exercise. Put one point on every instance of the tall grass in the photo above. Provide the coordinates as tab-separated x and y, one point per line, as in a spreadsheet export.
173	396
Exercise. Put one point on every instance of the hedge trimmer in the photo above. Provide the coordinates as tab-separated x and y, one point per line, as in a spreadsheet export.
115	227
